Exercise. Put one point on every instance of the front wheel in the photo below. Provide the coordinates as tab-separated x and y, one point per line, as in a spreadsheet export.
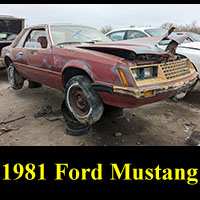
82	100
14	78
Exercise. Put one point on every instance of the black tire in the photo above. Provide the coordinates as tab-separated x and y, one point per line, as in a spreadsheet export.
112	111
16	81
82	100
73	127
32	84
2	68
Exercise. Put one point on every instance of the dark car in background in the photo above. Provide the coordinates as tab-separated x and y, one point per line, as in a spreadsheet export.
10	27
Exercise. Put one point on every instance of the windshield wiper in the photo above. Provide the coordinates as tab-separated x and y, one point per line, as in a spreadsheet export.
93	41
62	43
89	42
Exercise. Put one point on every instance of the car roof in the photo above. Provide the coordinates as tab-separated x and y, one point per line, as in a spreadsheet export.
133	28
184	32
10	17
57	24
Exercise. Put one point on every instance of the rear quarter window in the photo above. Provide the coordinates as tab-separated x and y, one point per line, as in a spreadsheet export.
21	41
117	36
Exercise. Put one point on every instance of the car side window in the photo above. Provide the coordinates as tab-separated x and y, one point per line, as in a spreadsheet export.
135	34
36	39
21	41
117	36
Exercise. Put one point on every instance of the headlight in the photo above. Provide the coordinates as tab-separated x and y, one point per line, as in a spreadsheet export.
136	73
148	72
145	72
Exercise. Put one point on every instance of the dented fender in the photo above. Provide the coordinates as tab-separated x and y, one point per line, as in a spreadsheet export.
79	64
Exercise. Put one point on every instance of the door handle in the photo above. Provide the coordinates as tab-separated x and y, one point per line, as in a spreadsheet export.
21	53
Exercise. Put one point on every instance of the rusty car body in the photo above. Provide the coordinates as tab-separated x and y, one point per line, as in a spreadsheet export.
93	71
9	27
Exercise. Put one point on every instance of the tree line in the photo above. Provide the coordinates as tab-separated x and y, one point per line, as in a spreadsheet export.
192	27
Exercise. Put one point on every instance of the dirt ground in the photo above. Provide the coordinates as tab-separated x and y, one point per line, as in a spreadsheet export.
158	124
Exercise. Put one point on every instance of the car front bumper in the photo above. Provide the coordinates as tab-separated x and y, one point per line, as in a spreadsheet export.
127	97
157	90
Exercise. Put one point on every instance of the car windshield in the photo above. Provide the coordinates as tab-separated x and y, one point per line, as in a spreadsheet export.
69	35
156	32
160	32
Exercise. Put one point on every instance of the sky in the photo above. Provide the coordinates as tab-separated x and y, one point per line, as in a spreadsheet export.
100	15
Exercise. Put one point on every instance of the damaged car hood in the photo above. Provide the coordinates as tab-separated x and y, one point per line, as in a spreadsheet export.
129	45
147	45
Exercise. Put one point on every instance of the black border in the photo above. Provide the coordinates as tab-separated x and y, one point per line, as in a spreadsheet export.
143	157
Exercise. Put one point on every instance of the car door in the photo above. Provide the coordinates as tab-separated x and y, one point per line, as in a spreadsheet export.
38	56
18	53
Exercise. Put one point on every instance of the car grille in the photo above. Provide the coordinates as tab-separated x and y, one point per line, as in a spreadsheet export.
175	69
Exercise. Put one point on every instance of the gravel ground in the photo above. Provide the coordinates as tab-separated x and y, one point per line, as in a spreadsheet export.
165	123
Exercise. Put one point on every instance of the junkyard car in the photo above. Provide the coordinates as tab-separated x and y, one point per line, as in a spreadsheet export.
194	37
9	28
93	71
189	48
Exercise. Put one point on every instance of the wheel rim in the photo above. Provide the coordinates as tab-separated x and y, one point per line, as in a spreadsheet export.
78	101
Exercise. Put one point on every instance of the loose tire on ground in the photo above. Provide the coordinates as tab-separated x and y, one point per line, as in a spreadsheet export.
73	127
82	100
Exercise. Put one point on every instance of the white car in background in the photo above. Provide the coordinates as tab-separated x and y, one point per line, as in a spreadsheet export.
192	36
188	48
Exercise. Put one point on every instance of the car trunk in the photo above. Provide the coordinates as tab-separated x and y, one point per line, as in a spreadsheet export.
4	44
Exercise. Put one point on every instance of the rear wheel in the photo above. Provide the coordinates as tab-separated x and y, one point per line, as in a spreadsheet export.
82	100
16	81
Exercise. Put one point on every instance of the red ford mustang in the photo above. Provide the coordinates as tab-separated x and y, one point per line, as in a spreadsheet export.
95	72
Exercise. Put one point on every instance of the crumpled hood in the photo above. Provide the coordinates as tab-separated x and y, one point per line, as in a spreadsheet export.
129	45
147	45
